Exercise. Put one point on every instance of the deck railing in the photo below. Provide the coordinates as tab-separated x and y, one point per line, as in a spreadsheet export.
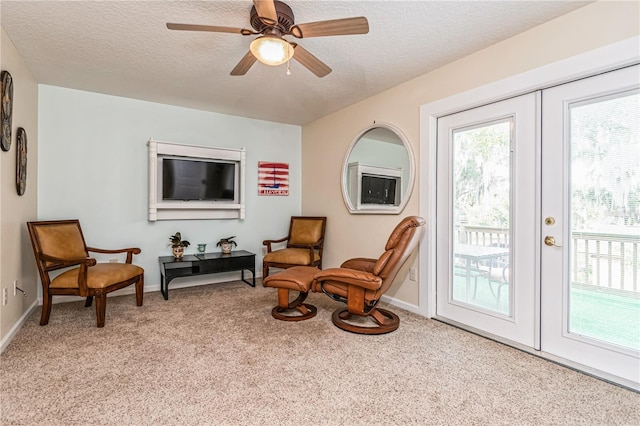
604	261
483	236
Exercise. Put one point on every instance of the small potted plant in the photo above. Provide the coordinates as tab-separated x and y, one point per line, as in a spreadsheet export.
178	245
226	243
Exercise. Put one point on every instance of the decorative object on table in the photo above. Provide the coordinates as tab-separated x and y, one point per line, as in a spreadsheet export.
202	248
21	161
6	110
273	178
178	245
226	244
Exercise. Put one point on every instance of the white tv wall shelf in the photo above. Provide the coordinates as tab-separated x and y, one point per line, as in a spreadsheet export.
383	176
164	209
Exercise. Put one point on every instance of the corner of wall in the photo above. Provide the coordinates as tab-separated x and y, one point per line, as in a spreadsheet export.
16	260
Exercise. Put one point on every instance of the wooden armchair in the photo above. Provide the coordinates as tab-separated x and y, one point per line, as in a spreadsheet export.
60	244
360	282
303	245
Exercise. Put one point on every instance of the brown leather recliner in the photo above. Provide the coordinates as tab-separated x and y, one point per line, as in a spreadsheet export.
360	282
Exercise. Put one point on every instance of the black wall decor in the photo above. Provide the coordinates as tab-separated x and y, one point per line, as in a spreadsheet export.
21	161
6	110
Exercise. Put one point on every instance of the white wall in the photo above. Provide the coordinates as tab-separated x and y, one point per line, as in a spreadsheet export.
16	258
93	166
325	141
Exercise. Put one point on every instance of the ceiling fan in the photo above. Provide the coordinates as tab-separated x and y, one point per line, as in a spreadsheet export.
272	20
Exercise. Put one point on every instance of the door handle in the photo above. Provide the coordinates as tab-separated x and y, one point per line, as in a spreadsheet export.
550	241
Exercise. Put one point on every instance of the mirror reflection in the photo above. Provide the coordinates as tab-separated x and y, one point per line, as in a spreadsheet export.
378	171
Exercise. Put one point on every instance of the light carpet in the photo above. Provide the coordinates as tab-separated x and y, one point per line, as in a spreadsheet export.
213	355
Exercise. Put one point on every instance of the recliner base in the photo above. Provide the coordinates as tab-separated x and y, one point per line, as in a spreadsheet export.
386	321
307	311
297	278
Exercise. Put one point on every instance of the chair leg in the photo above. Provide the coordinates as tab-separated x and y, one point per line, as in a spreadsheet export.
46	310
498	301
101	308
88	302
139	290
475	288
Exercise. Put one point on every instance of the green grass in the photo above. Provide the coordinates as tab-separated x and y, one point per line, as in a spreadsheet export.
595	314
607	317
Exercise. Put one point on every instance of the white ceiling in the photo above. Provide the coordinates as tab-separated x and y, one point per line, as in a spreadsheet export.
123	48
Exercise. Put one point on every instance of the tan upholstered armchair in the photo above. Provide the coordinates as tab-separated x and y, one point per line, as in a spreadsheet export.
360	282
303	245
59	244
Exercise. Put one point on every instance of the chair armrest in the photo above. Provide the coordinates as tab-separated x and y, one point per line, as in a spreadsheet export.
85	264
62	263
130	252
269	242
347	276
360	263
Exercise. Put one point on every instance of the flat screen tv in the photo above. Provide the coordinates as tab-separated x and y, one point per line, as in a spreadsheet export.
378	190
190	179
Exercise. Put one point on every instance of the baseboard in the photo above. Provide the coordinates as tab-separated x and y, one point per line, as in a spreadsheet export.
17	326
401	304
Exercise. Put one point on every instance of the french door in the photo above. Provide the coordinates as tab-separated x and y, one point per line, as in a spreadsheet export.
485	208
538	222
591	222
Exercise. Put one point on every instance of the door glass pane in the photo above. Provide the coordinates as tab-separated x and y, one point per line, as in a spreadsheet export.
481	216
604	297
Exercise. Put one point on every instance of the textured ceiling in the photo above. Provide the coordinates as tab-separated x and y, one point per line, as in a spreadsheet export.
123	48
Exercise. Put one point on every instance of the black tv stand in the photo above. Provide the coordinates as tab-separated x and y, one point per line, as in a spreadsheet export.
205	263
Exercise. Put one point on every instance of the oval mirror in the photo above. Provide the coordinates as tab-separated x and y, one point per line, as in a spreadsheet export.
378	171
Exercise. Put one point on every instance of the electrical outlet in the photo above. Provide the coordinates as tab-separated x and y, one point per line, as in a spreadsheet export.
264	251
15	286
113	260
5	296
413	275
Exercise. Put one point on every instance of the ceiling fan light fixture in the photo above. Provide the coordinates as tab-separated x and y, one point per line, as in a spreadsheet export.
271	50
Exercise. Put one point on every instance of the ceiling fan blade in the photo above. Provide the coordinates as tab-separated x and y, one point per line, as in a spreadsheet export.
345	26
245	63
210	28
309	61
266	11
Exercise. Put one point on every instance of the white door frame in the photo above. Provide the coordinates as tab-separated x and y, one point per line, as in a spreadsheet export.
616	55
